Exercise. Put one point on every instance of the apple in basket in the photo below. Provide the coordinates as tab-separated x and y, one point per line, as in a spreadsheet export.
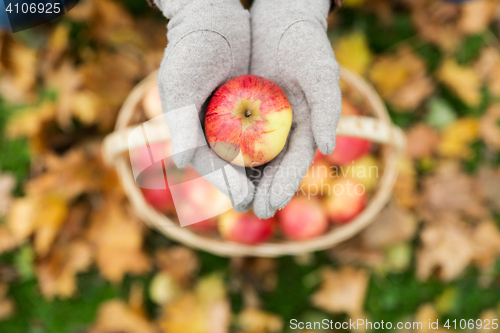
250	115
347	198
245	228
151	177
303	218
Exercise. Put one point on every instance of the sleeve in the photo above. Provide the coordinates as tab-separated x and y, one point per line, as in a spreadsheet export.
336	4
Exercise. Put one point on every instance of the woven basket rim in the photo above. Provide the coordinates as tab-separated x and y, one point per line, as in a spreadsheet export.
224	248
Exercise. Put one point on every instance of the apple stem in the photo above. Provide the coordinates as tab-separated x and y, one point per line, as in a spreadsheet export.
248	113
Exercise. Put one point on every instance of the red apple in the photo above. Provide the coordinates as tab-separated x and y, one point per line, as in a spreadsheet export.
245	228
346	200
159	199
348	149
248	114
303	219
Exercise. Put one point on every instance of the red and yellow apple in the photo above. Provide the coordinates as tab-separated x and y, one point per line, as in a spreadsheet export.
250	115
348	149
245	228
303	219
347	198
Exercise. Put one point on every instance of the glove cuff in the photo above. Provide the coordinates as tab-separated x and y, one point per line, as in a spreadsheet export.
171	8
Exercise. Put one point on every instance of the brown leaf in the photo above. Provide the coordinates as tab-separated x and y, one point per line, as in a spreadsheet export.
65	80
405	188
489	185
7	184
117	316
488	68
69	175
477	15
435	22
117	235
179	262
205	310
393	225
342	291
486	238
421	141
490	128
450	190
260	272
447	249
57	273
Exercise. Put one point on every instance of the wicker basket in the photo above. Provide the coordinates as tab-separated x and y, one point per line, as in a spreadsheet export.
378	129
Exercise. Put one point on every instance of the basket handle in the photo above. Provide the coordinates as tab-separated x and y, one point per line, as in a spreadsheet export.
156	130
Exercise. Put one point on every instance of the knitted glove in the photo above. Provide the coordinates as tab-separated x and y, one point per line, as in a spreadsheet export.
290	47
209	43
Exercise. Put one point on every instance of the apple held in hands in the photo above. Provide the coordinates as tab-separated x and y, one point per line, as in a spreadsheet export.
248	114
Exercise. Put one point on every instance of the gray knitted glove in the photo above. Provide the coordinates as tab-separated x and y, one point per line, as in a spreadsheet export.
209	43
290	47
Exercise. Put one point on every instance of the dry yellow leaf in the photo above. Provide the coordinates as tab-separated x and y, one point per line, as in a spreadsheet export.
206	310
117	316
402	79
352	51
253	320
463	80
117	235
342	291
85	107
42	215
28	122
457	137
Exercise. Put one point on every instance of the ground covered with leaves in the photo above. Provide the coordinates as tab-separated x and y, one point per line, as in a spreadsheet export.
75	258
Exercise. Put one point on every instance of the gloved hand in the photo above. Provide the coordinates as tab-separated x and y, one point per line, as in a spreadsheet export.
209	43
290	47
